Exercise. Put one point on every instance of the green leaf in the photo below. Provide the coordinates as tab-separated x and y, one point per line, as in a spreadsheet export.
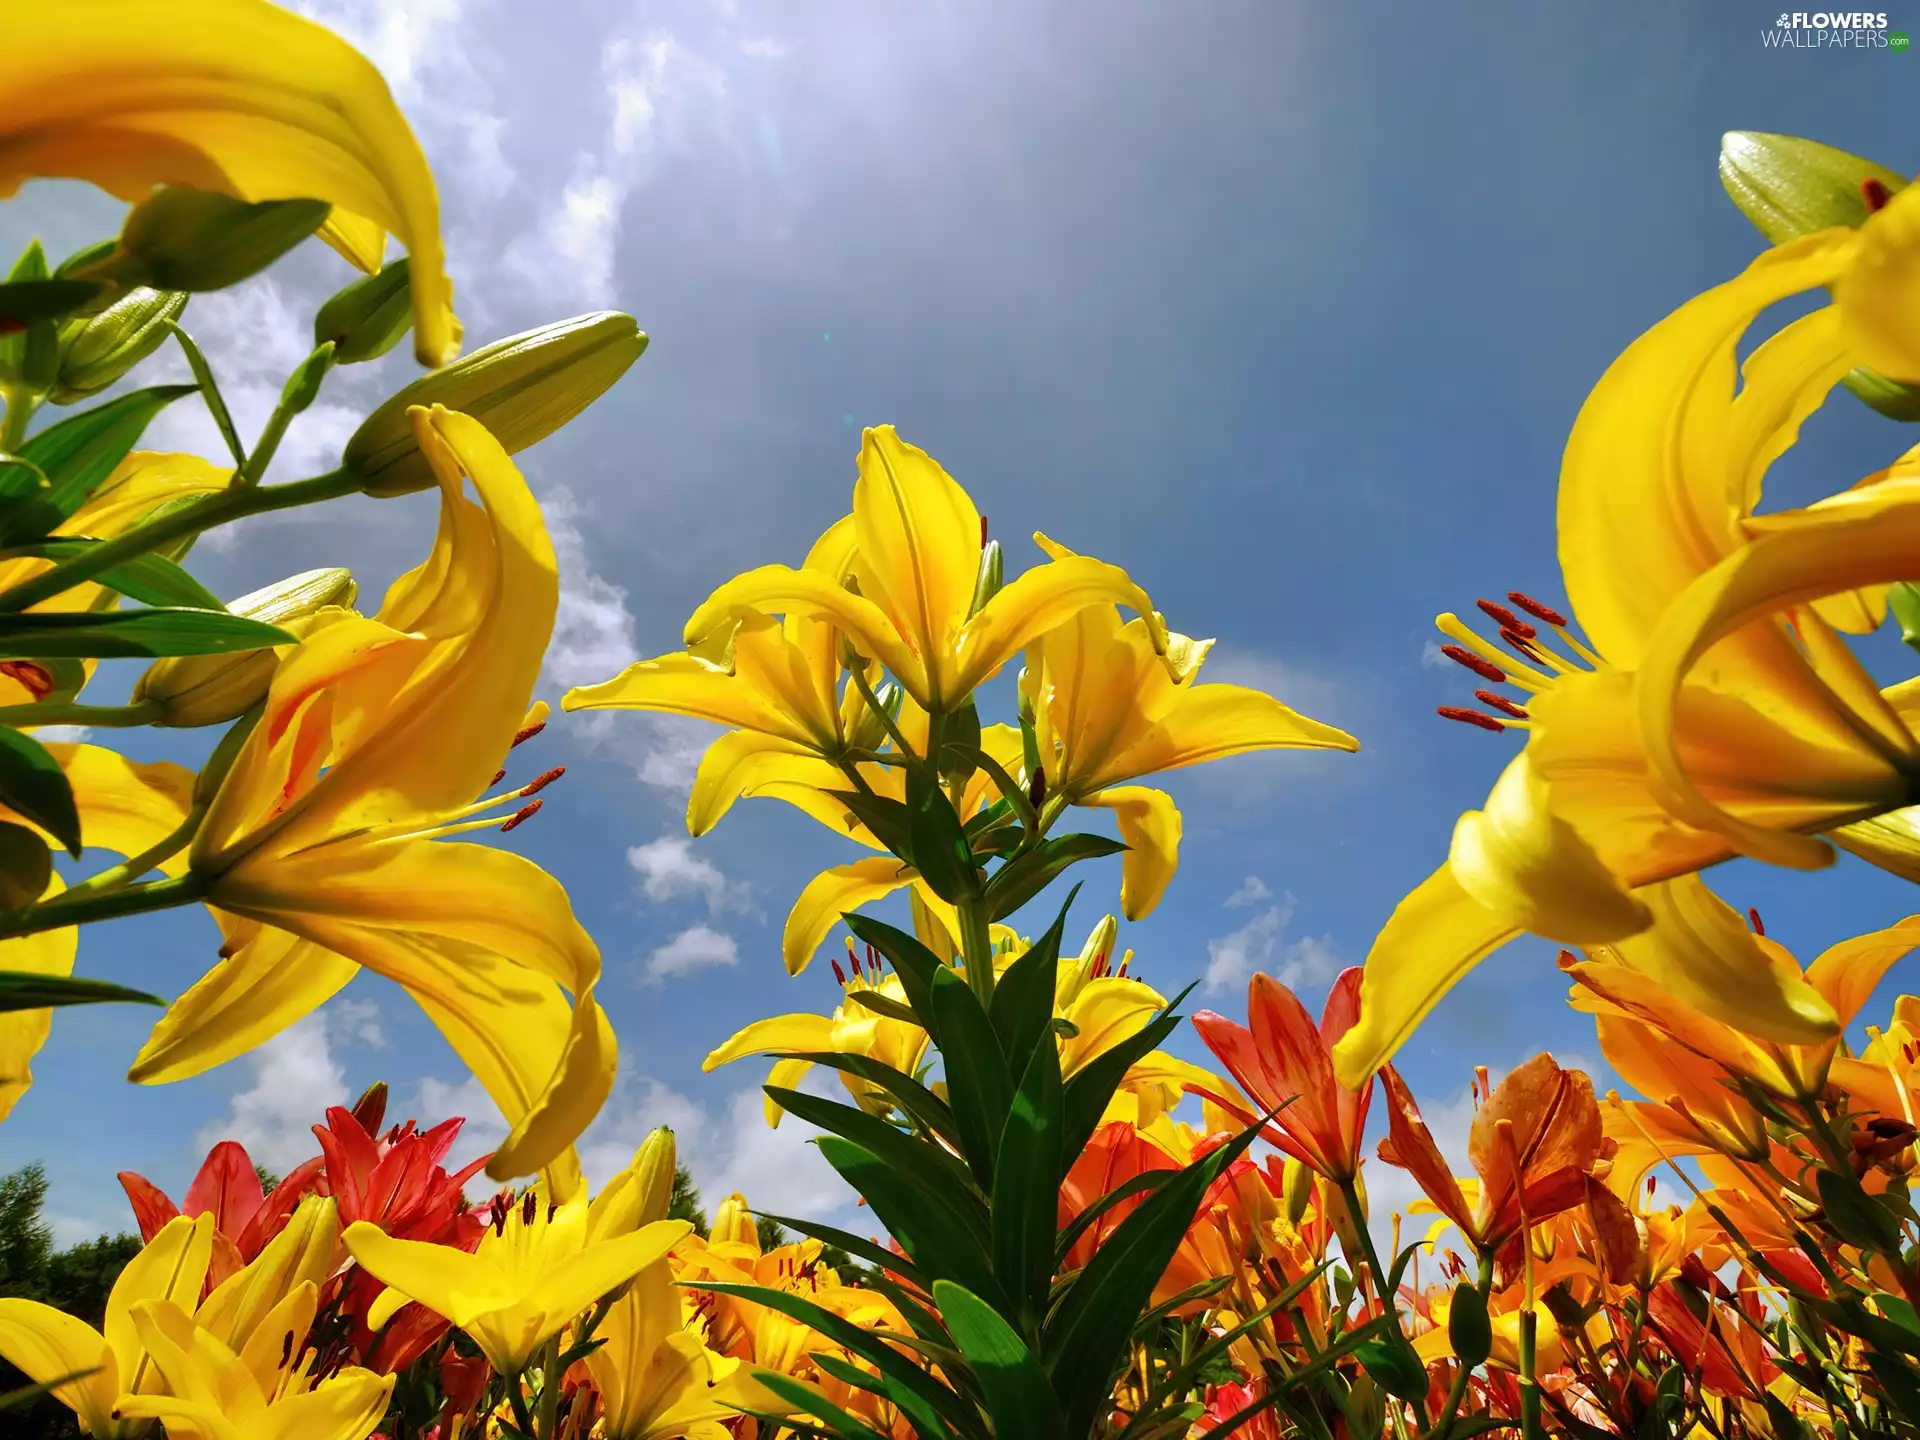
1026	1189
1854	1216
1897	1383
1019	1399
960	747
912	962
34	787
854	1245
880	1004
1018	881
905	1091
34	990
859	1341
939	844
24	301
80	452
150	579
887	819
990	817
1394	1366
928	1167
1086	1338
27	1394
1468	1327
979	1088
25	866
926	1421
104	634
811	1402
1022	1003
929	1228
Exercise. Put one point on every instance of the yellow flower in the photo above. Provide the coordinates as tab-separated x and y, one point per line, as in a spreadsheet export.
1100	1009
124	807
917	541
1109	709
655	1378
265	1390
534	1272
237	96
1643	984
1641	765
1886	1075
46	1343
315	872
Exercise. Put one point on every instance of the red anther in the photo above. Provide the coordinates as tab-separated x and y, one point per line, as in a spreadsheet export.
521	816
498	776
1122	972
286	1349
838	973
1753	919
1546	614
500	1208
983	532
1485	669
1501	703
1469	717
1875	193
11	325
527	734
230	949
1521	643
540	782
1566	960
37	681
1653	1182
1506	619
529	1208
1037	786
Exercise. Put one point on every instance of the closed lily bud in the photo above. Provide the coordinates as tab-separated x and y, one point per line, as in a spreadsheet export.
653	1168
522	389
96	352
1297	1190
367	318
195	240
212	689
991	576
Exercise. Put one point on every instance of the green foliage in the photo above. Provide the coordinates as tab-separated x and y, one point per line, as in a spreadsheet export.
684	1204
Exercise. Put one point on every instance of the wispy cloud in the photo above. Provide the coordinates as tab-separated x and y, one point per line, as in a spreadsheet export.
668	870
1261	944
296	1076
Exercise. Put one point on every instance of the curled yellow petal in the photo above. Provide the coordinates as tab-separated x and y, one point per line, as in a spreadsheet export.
832	894
1150	827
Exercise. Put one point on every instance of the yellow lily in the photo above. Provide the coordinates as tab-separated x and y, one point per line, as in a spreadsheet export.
917	542
1101	1010
237	96
533	1273
265	1390
1641	766
124	807
656	1379
1641	984
45	1343
1109	709
316	872
1886	1074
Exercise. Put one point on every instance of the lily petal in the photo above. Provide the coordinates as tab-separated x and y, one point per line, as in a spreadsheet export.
833	894
237	96
1150	827
1434	936
23	1032
1846	974
46	1343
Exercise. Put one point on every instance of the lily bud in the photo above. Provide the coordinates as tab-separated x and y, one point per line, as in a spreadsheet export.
1346	1224
212	689
870	731
1297	1190
371	1108
522	389
1903	601
991	576
653	1167
367	318
303	386
195	240
25	866
96	352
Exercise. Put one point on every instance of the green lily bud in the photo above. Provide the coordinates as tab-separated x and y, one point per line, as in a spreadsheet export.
1297	1190
522	389
1790	187
869	732
653	1169
303	386
194	240
25	866
213	689
1903	601
96	352
987	584
367	318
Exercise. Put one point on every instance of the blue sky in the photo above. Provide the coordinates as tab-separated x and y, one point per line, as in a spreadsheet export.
1286	308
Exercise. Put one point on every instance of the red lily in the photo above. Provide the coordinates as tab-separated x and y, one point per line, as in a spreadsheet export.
227	1187
1283	1061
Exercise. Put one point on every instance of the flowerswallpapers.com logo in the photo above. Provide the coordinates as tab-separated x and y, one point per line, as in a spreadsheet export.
1834	30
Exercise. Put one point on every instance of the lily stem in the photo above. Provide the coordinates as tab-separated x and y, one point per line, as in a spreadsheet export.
13	429
69	712
205	513
976	947
1350	1193
1457	1391
134	900
210	395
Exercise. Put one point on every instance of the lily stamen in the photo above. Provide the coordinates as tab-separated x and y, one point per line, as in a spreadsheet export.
1469	717
521	816
1506	619
1501	703
1485	669
521	737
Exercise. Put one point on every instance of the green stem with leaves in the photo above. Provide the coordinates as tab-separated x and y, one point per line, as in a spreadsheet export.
976	947
205	513
132	900
1457	1392
72	712
13	427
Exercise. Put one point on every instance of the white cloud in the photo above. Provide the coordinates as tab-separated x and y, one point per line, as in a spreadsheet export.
1320	696
63	734
1262	945
296	1076
1431	658
668	868
1251	892
698	948
593	629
